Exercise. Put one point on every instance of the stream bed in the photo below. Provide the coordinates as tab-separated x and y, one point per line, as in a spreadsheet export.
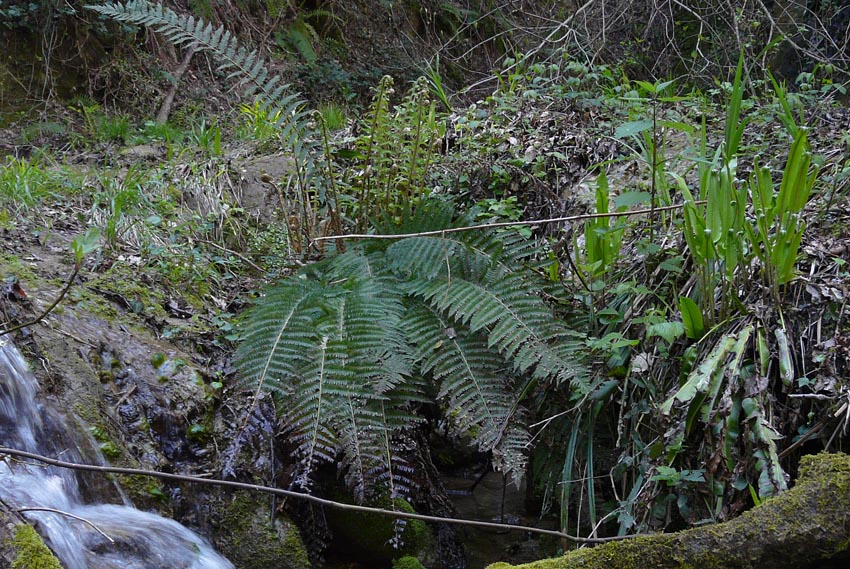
83	536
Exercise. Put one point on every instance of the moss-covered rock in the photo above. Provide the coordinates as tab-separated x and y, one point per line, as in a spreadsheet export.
407	562
373	537
800	528
244	534
31	552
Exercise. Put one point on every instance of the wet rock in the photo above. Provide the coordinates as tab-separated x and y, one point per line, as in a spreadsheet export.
244	528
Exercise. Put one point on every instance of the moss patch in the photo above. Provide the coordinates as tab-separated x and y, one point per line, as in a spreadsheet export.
31	552
244	534
372	536
407	562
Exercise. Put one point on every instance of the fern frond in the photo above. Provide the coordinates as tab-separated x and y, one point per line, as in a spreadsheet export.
338	353
246	67
314	409
369	434
475	385
515	321
354	339
278	331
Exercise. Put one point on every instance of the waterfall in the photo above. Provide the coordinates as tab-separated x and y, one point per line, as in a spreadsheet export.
102	536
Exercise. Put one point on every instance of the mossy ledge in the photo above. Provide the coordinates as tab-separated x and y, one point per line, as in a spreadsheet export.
805	525
30	550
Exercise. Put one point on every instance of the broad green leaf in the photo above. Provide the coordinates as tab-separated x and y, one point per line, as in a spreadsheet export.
667	330
691	318
786	367
82	245
628	199
677	125
632	128
699	379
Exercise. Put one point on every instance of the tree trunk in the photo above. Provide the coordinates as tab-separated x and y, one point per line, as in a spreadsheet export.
801	528
165	109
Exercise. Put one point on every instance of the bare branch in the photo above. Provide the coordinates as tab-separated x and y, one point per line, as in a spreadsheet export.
299	496
68	514
503	224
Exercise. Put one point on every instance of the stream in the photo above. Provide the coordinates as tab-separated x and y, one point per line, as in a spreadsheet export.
83	536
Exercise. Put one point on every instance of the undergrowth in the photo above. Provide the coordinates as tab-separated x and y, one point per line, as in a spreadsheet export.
705	361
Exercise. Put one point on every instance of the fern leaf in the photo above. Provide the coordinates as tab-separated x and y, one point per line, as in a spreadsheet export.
276	334
474	385
246	66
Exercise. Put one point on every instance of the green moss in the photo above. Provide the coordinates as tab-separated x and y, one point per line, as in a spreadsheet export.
124	281
12	265
372	536
245	535
294	548
198	432
146	494
109	449
30	550
157	359
407	562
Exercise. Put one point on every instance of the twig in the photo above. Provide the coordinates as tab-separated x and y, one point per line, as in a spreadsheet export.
811	432
300	496
70	515
50	308
504	224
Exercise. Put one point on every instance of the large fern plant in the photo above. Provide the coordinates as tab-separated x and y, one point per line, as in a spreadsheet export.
355	345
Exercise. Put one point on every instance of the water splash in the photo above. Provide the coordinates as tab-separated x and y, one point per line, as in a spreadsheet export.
122	537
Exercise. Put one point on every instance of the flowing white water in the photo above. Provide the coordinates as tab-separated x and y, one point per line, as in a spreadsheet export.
136	539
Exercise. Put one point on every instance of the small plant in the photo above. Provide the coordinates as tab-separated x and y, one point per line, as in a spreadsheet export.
102	127
25	183
602	238
715	231
435	83
258	122
650	137
206	137
164	133
779	226
396	151
113	204
333	115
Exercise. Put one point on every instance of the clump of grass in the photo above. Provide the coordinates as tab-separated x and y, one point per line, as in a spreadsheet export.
25	183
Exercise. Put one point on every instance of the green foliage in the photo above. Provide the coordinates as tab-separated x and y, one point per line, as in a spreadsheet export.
85	244
25	183
274	99
395	152
207	137
779	226
298	37
117	199
352	343
407	562
435	83
257	122
333	115
100	126
30	550
602	238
